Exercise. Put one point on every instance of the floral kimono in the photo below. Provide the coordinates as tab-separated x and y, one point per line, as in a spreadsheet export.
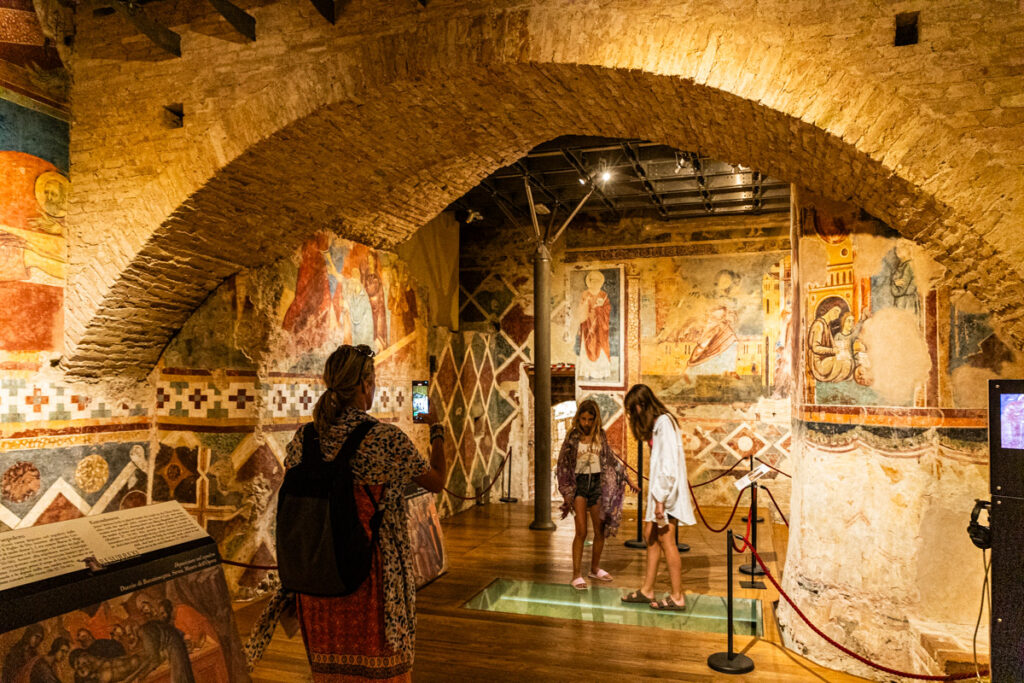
613	481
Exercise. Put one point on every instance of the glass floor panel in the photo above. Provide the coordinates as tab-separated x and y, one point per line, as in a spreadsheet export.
601	604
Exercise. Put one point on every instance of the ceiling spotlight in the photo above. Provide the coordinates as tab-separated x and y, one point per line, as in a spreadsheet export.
606	176
582	181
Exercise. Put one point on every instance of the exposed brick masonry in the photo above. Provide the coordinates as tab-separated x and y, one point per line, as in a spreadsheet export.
372	132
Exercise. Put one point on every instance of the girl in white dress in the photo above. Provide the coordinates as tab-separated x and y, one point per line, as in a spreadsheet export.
668	501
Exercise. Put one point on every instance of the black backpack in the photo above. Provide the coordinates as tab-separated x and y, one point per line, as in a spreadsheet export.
322	548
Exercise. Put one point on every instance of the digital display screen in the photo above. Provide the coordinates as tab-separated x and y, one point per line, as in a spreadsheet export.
420	401
1011	421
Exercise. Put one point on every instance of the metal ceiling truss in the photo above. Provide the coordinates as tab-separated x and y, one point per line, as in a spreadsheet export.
643	178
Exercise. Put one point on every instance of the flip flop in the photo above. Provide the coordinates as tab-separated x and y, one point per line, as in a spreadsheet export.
579	583
636	596
667	605
600	575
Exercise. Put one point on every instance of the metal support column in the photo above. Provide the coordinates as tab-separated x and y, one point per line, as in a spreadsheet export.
542	389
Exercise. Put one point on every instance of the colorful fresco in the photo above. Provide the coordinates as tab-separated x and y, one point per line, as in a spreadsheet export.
244	372
715	329
428	553
838	356
880	327
38	131
33	205
51	485
691	287
178	630
596	302
340	295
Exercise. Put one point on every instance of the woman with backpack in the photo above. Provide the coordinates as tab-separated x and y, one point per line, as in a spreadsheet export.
369	633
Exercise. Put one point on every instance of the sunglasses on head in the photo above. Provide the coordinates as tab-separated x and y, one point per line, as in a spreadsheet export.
364	350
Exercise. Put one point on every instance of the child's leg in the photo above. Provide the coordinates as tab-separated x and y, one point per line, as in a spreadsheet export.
653	558
579	507
595	517
667	541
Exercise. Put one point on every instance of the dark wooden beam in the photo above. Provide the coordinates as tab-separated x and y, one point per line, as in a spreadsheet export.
163	37
240	20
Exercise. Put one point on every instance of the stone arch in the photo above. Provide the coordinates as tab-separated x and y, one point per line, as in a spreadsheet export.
374	161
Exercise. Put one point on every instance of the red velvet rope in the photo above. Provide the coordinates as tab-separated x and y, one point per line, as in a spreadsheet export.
769	465
628	466
489	486
860	658
776	504
717	477
701	514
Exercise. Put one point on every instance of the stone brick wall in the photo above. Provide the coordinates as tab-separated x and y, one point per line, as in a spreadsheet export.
923	136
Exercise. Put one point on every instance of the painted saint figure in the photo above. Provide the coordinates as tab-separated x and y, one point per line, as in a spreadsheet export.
594	341
827	365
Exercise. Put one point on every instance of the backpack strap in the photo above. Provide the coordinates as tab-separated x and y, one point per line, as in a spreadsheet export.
349	448
344	458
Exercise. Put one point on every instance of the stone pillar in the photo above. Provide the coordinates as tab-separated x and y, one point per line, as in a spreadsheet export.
542	389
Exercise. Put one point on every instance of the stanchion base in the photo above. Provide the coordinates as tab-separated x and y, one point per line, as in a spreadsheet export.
506	499
635	543
683	548
543	526
760	519
755	585
752	569
737	664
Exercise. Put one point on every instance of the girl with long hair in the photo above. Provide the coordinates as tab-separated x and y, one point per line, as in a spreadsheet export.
668	503
591	480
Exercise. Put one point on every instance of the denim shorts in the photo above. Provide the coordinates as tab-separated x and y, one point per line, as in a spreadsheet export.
589	486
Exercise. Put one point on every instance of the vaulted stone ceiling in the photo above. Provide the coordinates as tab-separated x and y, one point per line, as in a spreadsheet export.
343	127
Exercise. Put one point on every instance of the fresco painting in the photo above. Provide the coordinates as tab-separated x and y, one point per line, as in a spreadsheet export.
880	328
715	329
341	295
245	371
837	361
38	486
596	299
179	630
427	539
33	259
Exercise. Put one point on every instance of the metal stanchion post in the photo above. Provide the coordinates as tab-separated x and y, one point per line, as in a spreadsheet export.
682	546
753	569
730	662
760	519
638	542
507	498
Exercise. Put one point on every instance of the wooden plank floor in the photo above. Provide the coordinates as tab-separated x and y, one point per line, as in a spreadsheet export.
493	541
